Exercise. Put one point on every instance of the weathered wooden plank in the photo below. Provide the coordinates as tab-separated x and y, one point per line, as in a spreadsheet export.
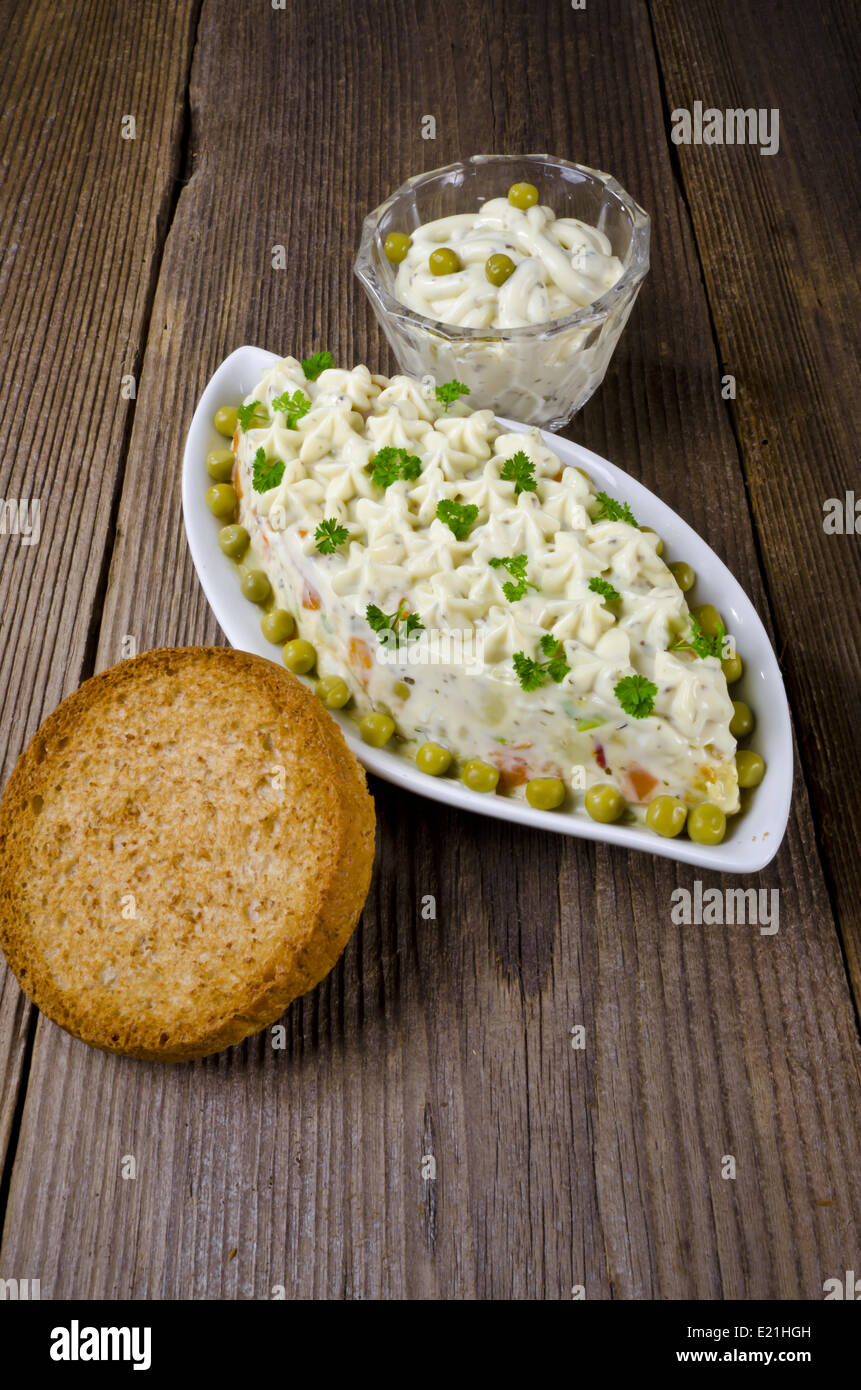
81	221
556	1166
778	239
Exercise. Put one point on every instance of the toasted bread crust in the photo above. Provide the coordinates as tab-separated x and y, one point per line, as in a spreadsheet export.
125	787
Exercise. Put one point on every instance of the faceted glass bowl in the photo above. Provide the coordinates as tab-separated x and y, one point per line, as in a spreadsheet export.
541	374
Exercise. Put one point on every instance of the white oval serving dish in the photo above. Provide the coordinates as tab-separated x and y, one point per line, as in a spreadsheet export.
753	836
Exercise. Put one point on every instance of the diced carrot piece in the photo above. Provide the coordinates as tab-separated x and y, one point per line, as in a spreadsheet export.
360	654
513	772
310	597
642	781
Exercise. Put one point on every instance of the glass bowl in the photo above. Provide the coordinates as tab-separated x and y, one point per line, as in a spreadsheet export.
541	374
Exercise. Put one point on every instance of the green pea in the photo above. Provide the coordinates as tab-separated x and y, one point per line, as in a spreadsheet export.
708	618
750	768
647	531
732	668
604	803
233	541
584	725
277	625
255	586
706	824
221	499
742	721
433	759
684	576
523	195
333	691
219	465
444	261
376	728
498	268
396	246
402	690
545	793
299	656
666	815
479	776
226	420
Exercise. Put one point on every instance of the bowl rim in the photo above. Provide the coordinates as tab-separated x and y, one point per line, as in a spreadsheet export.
624	288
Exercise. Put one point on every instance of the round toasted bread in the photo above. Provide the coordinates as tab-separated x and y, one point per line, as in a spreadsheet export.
185	847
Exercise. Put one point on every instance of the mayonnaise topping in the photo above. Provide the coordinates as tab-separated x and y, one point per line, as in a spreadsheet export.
561	265
399	555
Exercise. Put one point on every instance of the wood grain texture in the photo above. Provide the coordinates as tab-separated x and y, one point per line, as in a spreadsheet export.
452	1037
80	213
778	240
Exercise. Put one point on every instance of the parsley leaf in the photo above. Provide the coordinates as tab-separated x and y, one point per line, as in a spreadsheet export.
557	666
513	592
390	622
376	618
533	674
698	643
516	566
390	464
294	407
611	510
520	470
459	517
329	535
266	473
449	392
530	673
605	589
636	695
249	416
317	363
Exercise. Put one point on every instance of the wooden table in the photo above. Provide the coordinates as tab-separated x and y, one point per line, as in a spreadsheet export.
151	259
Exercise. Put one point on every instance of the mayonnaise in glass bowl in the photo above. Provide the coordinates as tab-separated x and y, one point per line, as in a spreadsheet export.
542	373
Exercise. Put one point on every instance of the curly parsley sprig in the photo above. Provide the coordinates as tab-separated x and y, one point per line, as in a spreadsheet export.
604	588
459	517
533	674
611	510
315	364
329	535
449	392
249	416
383	623
636	695
389	465
293	407
516	566
520	470
699	642
266	473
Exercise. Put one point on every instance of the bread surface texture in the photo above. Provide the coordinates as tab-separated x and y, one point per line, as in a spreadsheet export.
185	847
